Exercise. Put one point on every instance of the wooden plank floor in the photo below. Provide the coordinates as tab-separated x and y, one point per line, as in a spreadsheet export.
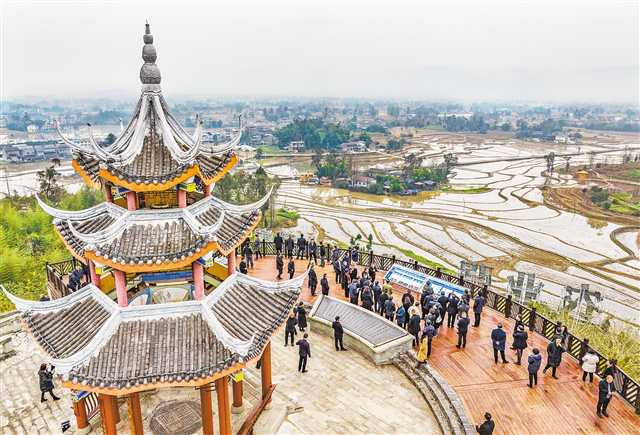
562	406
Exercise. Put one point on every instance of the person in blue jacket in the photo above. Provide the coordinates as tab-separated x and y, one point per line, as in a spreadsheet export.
478	304
499	338
535	361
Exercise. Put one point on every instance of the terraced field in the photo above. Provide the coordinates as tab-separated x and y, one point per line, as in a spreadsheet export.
508	227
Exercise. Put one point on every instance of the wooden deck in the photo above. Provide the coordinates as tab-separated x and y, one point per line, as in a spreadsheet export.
562	406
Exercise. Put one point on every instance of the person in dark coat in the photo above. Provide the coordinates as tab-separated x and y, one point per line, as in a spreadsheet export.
372	273
452	310
302	316
384	297
429	332
290	328
414	326
301	243
279	265
323	253
291	268
324	285
46	382
554	356
520	342
463	328
337	270
367	299
535	361
498	339
288	244
304	352
313	252
377	293
248	254
243	266
611	369
338	333
478	304
278	242
487	427
606	388
313	281
389	308
407	302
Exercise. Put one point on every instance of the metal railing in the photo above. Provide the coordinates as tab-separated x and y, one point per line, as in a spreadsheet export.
628	388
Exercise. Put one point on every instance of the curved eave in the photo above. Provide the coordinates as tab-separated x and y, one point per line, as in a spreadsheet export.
154	267
114	179
173	265
154	385
77	255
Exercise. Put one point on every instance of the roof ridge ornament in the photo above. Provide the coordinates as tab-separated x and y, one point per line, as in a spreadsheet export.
149	72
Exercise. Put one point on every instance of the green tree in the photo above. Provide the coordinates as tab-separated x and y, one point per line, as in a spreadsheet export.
259	154
49	187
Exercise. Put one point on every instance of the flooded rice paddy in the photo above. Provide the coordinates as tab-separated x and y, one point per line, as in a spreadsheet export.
509	227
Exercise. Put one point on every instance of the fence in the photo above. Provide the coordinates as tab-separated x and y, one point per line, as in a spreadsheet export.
628	389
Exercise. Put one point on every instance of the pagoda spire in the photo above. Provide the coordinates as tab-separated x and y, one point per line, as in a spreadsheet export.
149	72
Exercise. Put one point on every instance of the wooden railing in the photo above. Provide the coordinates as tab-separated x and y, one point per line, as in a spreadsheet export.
55	277
628	388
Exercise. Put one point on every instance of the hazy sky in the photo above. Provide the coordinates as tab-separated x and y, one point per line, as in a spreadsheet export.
539	50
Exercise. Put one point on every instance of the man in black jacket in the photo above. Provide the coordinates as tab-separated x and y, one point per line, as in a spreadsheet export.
338	332
301	245
288	244
478	304
278	242
463	327
304	352
606	388
290	328
324	285
487	427
291	268
498	339
279	265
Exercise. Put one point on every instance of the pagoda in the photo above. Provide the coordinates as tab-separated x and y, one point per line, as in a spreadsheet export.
161	310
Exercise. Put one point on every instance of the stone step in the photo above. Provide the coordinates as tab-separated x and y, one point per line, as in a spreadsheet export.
445	404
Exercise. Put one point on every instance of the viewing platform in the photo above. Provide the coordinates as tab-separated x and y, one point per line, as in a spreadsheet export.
562	406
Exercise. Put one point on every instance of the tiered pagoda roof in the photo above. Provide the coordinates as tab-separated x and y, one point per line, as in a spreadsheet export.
152	240
154	152
95	344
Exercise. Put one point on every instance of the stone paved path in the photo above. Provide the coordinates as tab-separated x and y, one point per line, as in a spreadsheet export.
342	393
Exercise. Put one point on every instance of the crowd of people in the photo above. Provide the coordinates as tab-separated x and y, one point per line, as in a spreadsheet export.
424	315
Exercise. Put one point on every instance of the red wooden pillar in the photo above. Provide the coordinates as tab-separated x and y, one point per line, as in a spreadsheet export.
106	188
237	407
131	201
80	411
109	413
182	198
198	279
135	414
224	411
206	409
121	287
207	189
265	370
231	262
95	278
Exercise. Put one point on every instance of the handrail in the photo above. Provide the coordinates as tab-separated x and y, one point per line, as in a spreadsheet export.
627	387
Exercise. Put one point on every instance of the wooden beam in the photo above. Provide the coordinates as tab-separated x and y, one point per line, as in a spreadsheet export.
224	411
131	200
231	262
95	278
265	369
135	414
109	413
80	411
207	410
250	420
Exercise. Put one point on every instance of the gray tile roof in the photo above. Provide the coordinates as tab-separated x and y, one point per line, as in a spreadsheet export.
94	342
156	237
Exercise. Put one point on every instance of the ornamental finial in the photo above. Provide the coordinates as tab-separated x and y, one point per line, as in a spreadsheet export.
149	73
